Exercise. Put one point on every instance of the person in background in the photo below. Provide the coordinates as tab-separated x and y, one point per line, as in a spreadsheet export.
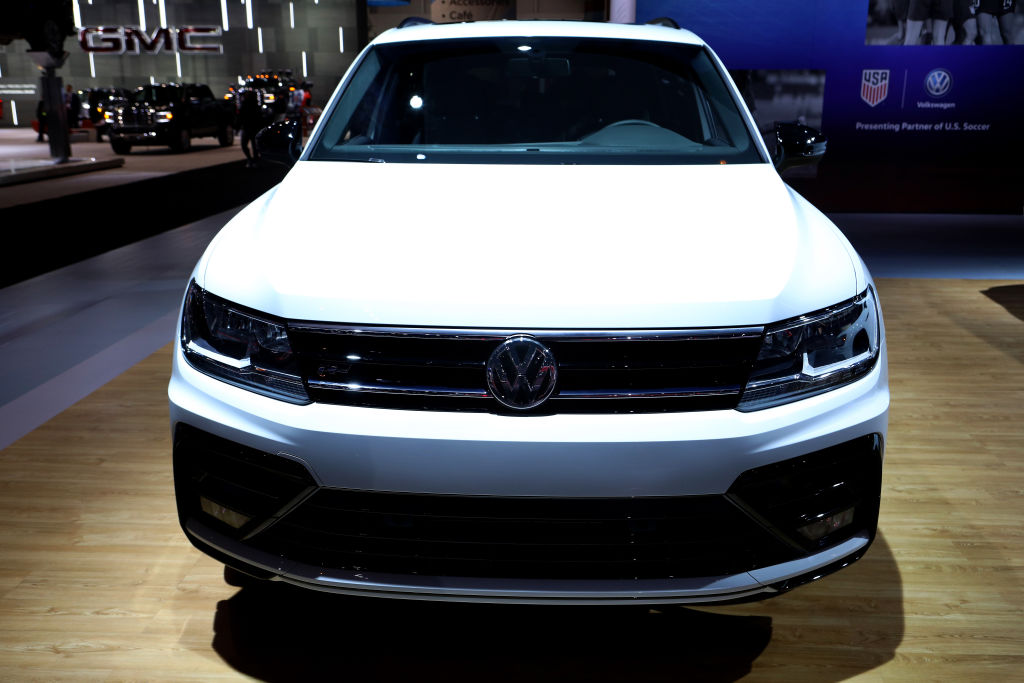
296	98
964	29
41	121
73	105
900	9
995	21
937	13
250	121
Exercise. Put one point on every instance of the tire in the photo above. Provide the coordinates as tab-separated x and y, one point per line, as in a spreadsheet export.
226	137
183	143
120	146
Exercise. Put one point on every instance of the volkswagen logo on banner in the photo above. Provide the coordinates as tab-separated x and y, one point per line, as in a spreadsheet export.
521	373
874	86
938	82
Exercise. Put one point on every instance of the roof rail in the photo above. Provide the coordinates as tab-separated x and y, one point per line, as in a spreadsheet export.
414	21
663	21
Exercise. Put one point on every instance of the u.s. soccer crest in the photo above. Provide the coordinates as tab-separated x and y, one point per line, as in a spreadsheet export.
874	86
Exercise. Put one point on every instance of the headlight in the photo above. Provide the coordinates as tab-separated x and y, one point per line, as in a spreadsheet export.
108	116
815	353
163	116
239	347
269	97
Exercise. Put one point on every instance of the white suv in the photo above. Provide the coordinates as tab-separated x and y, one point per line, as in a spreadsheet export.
533	318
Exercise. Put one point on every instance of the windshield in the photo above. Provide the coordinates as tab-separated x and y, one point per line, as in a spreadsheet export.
537	100
156	94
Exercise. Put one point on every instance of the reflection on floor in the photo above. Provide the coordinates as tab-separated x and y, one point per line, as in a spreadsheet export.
98	582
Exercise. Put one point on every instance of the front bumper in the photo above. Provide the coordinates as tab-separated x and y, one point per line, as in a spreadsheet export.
719	466
160	135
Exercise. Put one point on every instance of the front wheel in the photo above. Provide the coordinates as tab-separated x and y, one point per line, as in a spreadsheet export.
120	146
183	142
226	137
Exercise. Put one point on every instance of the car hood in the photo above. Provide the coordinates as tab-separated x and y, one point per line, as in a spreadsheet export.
526	246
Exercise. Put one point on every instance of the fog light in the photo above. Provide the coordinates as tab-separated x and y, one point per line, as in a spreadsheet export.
826	525
227	515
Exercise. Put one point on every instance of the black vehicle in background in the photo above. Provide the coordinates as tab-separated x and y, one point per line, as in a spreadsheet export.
274	93
169	114
96	101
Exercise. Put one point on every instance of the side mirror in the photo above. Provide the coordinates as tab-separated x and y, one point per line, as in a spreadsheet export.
797	144
280	143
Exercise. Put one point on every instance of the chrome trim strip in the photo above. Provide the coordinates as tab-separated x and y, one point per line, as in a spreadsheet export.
236	363
481	393
387	389
473	334
732	390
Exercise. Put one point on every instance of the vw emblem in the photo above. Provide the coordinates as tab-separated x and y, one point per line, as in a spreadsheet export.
521	373
938	82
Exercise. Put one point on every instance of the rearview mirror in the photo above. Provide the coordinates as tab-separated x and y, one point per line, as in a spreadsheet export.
797	144
280	143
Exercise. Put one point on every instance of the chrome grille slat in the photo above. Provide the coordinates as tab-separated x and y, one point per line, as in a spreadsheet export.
445	391
409	390
658	393
498	335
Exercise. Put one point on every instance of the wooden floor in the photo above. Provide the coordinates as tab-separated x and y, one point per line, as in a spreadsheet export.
97	582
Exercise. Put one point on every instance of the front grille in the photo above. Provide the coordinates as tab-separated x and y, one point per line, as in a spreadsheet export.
605	538
598	371
132	118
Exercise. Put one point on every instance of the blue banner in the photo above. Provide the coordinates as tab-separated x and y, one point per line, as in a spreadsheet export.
943	110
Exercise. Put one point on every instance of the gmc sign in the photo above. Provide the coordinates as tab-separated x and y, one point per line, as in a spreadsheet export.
117	40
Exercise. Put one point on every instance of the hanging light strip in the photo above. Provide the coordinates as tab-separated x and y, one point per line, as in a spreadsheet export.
224	14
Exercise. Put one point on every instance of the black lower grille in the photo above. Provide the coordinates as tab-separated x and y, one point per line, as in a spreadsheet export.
790	494
214	472
755	524
523	537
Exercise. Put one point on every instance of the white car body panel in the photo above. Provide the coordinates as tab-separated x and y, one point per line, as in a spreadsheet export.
510	246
